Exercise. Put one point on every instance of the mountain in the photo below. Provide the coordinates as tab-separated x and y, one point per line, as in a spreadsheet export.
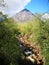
38	15
23	15
45	16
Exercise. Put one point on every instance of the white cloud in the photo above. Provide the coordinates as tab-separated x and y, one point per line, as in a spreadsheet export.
14	6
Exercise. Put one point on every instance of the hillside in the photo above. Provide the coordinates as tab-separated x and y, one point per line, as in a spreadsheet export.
32	33
23	15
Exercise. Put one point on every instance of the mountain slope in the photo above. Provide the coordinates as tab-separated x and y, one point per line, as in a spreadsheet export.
24	15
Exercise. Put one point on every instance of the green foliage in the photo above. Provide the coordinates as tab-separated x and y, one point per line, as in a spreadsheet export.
36	31
40	35
44	36
8	41
25	28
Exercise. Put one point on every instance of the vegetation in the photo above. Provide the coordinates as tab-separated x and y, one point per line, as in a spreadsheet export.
8	42
36	32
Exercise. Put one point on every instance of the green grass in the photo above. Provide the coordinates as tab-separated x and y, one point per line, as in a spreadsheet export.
36	32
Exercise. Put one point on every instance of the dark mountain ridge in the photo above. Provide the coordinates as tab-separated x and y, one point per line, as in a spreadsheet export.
24	15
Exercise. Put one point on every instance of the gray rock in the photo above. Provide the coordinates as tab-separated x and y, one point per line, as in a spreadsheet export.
24	15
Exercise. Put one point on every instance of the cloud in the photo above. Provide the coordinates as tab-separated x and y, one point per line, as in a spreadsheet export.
14	6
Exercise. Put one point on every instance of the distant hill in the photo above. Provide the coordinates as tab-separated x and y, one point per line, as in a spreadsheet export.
23	15
45	16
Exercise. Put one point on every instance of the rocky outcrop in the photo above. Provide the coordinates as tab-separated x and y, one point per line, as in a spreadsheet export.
31	52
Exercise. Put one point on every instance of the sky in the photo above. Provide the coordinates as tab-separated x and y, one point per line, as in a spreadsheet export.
38	6
35	6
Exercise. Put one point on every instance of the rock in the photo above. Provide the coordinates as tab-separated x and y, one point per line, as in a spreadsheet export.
30	51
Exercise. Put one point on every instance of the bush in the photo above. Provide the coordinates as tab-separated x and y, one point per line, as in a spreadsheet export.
8	41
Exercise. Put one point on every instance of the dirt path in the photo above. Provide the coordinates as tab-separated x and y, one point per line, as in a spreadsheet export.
30	51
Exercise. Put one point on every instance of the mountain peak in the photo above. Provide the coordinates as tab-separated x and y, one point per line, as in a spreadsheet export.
23	15
25	10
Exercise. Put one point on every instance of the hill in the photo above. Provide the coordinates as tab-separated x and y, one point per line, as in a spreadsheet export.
23	15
